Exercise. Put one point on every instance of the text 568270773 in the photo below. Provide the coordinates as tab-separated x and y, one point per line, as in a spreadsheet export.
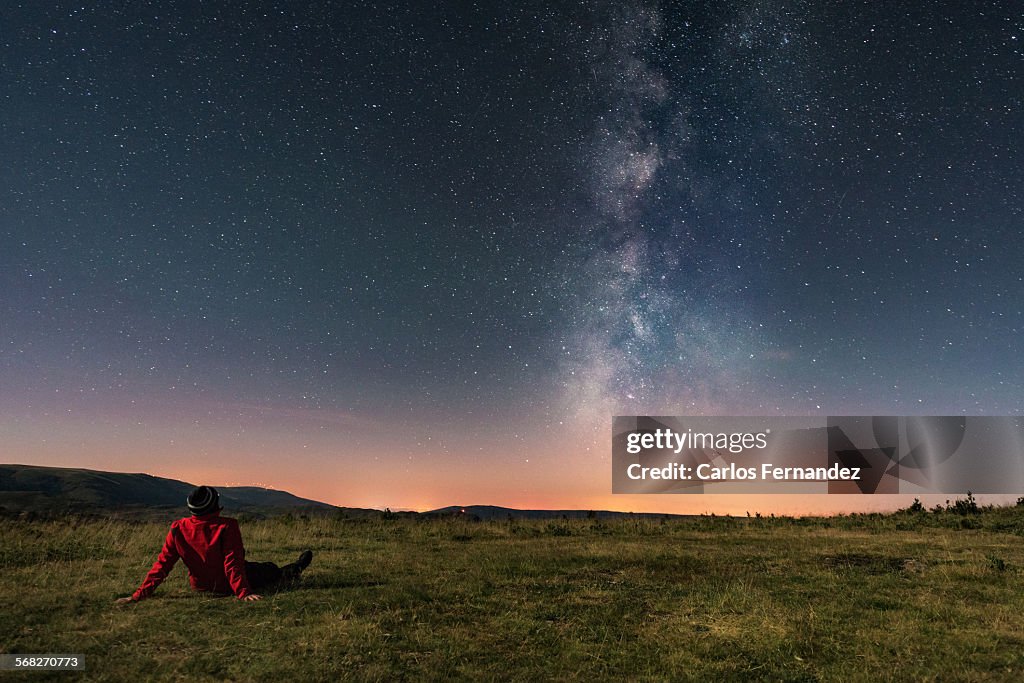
50	662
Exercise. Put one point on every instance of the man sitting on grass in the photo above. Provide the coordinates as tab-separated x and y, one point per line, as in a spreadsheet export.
211	548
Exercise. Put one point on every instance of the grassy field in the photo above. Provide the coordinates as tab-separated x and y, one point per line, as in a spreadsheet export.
925	596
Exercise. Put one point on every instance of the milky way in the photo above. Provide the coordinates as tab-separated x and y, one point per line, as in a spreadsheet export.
649	337
767	215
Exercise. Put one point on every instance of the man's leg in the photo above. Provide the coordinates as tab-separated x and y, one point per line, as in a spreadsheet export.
262	575
290	572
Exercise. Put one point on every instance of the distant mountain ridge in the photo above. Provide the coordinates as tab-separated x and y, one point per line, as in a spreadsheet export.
54	491
48	490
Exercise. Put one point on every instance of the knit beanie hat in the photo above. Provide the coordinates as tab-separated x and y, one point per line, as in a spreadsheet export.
203	500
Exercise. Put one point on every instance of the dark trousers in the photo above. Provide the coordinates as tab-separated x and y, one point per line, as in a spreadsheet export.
262	575
267	575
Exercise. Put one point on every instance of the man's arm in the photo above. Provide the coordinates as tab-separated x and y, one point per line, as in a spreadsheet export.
161	568
234	562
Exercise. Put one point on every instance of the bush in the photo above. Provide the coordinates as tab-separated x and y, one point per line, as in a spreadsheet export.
915	507
967	506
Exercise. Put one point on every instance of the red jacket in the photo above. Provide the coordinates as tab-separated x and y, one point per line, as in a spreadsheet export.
211	548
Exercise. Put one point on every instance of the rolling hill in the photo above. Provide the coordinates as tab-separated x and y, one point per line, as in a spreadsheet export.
58	490
54	491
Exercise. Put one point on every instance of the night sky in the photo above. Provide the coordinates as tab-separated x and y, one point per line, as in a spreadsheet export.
413	256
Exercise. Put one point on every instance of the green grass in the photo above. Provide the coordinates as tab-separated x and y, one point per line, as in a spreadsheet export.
898	597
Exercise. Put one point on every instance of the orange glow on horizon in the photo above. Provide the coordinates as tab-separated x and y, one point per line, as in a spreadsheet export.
392	469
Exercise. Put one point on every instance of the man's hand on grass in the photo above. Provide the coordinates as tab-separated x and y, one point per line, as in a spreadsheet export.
253	596
123	601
